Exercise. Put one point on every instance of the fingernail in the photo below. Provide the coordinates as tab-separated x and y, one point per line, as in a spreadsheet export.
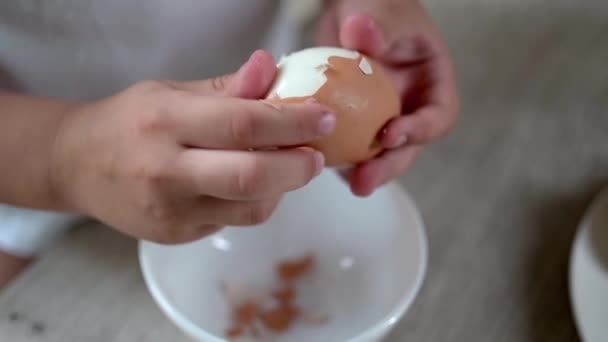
319	162
400	141
327	124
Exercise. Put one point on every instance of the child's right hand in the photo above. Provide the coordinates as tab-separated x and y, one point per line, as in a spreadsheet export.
175	161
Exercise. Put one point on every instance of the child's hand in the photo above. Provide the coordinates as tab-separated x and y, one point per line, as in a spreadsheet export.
173	161
400	34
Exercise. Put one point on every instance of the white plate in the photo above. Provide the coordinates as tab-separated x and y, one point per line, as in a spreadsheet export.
589	272
372	255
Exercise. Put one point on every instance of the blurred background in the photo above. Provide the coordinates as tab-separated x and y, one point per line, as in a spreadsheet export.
502	195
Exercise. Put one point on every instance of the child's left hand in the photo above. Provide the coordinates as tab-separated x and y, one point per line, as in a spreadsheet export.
401	35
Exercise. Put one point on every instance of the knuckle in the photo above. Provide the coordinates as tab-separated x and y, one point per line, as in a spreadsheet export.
150	112
430	125
166	224
298	125
305	127
163	236
219	84
156	209
154	176
169	235
447	122
250	179
243	128
151	101
161	225
154	120
277	107
303	168
182	231
421	134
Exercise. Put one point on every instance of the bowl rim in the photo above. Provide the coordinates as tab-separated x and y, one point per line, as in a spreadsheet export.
382	325
579	251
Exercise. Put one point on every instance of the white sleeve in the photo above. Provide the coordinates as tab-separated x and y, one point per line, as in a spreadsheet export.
26	232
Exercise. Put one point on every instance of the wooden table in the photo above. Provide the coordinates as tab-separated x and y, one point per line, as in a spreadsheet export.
501	196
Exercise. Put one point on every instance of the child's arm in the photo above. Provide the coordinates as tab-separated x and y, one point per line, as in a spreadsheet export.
28	127
163	161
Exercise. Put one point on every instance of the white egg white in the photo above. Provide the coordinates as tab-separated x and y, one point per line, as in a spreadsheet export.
302	73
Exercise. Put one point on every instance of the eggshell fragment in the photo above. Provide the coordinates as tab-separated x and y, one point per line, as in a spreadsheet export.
354	86
365	66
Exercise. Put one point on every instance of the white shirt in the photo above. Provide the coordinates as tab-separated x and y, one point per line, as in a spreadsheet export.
82	49
87	49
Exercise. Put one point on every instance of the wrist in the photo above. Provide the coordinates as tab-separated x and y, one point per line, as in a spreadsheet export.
61	176
27	132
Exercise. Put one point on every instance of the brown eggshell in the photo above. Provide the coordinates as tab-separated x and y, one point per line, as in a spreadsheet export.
361	95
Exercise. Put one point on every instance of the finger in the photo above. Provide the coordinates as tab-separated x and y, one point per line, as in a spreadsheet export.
404	80
327	33
422	127
365	178
435	118
255	79
235	213
252	81
345	173
231	123
360	32
190	232
247	175
407	51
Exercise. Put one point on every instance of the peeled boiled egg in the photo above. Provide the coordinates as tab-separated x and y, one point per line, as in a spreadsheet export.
353	86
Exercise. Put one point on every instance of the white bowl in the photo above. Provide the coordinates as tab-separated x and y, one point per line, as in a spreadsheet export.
371	261
589	272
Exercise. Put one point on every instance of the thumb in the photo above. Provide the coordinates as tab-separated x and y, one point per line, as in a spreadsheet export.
252	81
360	32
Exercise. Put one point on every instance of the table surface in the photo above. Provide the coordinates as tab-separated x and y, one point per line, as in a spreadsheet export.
501	196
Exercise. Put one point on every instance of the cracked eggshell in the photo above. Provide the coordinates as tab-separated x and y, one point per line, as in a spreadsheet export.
353	86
